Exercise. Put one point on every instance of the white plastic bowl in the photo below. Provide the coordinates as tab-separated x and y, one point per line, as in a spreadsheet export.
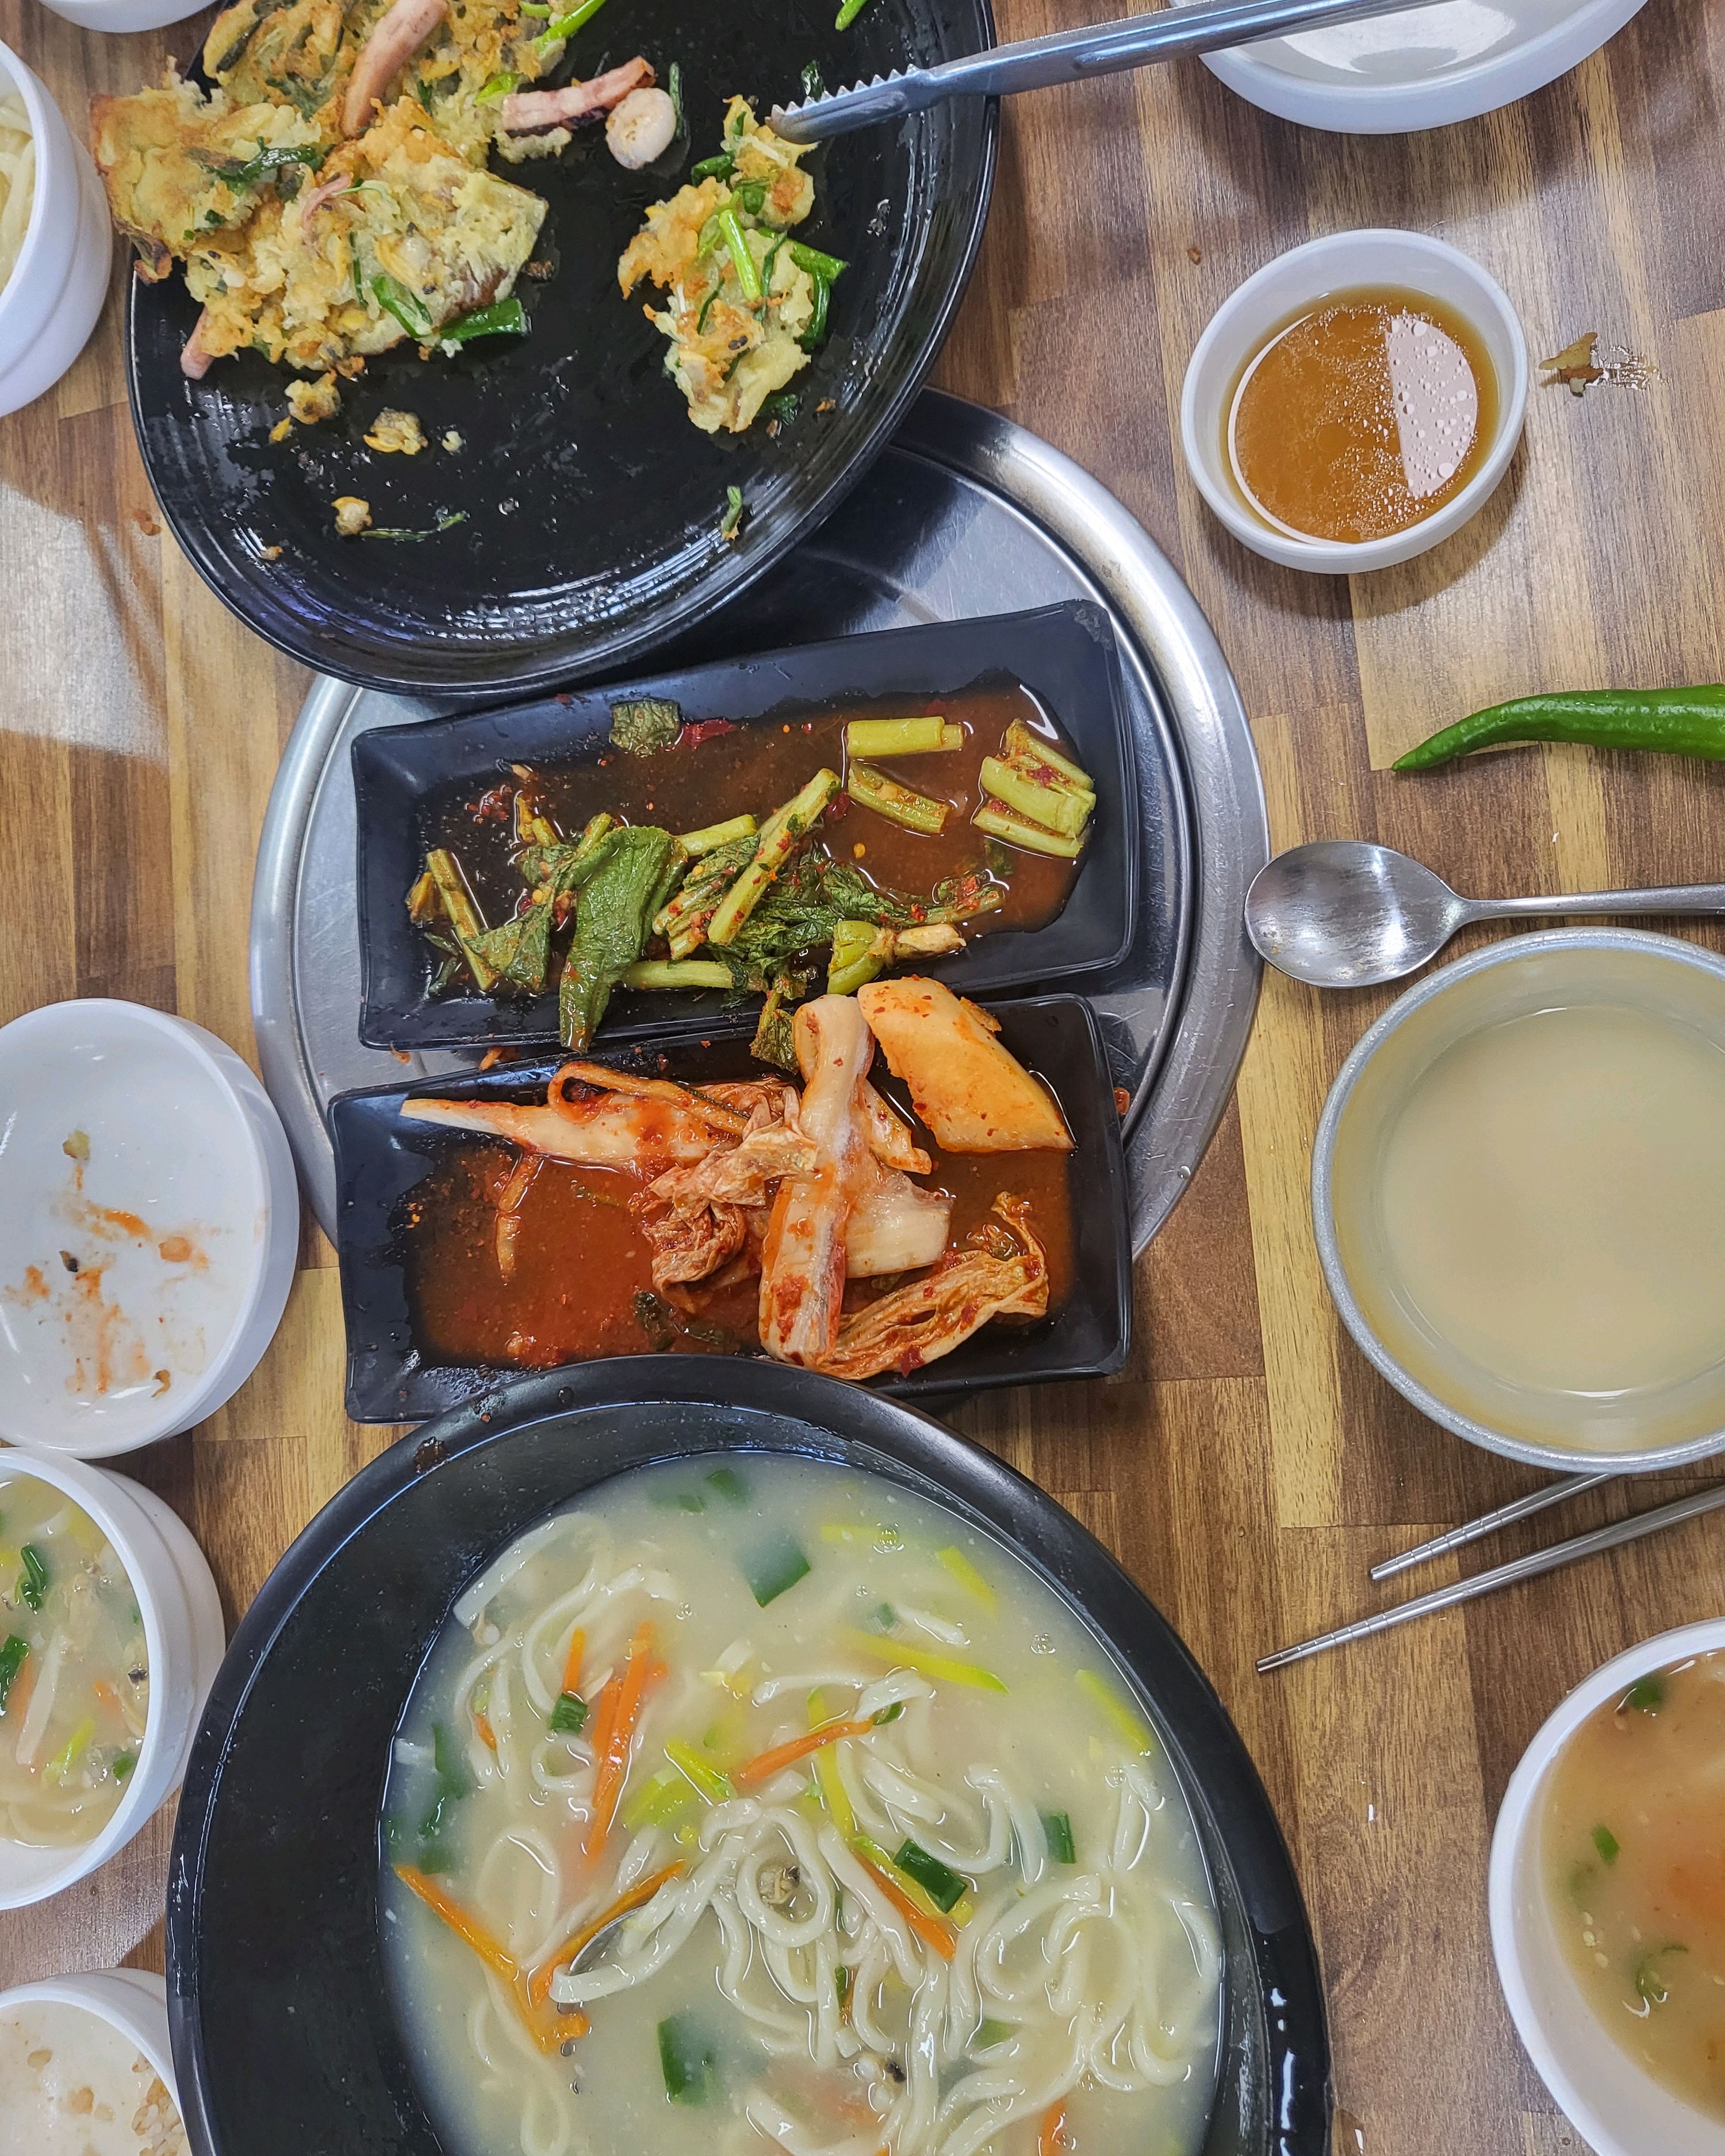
1609	2100
1298	280
51	301
133	2001
1399	73
125	14
185	1639
183	1138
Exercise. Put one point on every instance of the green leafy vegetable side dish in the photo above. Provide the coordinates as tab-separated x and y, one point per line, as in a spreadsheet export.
643	726
612	926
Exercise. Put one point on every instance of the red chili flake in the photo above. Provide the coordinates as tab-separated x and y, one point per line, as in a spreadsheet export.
1122	1102
838	807
697	731
569	700
495	807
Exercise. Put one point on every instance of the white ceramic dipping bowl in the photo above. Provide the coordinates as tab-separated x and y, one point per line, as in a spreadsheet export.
1286	287
1611	2102
122	14
132	2000
1669	1426
188	1206
51	301
182	1633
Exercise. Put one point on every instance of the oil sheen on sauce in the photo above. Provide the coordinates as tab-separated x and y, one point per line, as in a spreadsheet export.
1551	1195
1362	416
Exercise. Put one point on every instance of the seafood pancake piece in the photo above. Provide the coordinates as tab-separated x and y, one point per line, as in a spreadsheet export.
291	55
972	1094
400	236
178	166
735	328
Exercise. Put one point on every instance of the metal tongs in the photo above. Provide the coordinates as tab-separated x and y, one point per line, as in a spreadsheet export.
1071	56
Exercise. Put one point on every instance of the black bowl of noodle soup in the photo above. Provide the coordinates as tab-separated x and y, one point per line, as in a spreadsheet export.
696	1756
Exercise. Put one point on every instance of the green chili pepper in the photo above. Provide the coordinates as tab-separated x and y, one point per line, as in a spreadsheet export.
848	12
713	168
502	317
32	1581
767	261
562	26
673	90
408	309
1681	722
499	85
748	273
731	523
814	262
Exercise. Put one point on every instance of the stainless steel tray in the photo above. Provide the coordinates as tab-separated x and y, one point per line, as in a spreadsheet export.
965	514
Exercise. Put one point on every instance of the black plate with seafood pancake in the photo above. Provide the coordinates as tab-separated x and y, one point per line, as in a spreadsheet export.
592	505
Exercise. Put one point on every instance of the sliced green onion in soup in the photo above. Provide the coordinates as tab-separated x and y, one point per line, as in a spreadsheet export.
942	1885
1057	1833
1606	1843
689	2060
774	1565
32	1581
568	1715
729	1484
11	1660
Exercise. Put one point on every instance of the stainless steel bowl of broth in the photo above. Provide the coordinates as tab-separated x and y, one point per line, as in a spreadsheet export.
1608	1899
1517	1187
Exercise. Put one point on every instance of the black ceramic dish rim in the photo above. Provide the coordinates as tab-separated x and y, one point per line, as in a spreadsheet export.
934	1381
914	1447
1021	971
620	651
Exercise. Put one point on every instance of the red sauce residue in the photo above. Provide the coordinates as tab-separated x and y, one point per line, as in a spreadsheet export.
105	1348
700	730
581	1281
182	1250
34	1289
496	806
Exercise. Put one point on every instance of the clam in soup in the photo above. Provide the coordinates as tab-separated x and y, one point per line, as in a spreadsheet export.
74	1676
1635	1872
755	1805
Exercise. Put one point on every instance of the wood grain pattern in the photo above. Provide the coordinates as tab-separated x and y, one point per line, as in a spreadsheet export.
1248	1465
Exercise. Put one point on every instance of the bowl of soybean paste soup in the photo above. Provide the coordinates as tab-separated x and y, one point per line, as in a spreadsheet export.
721	1759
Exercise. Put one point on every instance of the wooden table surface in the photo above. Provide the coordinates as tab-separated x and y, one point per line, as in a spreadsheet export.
1248	1465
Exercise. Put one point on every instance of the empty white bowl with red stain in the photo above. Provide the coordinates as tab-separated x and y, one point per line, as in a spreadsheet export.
149	1226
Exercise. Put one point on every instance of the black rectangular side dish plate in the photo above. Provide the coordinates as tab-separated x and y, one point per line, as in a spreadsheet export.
379	1159
1064	655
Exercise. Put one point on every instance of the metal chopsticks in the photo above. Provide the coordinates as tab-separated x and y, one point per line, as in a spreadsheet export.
1473	1531
1505	1575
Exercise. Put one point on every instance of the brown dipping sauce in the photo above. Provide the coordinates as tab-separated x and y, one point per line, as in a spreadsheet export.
756	766
581	1261
1362	416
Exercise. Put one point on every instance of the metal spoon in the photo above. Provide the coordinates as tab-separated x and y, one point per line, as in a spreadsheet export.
1342	913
